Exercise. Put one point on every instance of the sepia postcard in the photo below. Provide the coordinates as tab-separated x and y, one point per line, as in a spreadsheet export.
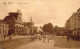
39	24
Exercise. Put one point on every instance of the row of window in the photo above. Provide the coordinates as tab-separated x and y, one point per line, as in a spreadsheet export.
3	30
3	25
19	26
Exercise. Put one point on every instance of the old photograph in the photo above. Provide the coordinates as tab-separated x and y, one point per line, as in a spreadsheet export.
39	24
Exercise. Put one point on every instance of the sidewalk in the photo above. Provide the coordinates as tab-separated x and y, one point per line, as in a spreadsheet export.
13	37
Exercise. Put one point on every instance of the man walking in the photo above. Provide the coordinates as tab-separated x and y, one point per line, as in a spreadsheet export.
68	38
4	36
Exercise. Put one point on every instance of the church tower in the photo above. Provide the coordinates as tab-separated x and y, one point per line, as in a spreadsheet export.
31	21
19	19
32	24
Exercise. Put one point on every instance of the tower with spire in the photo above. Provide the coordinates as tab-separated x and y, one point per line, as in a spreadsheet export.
31	26
31	21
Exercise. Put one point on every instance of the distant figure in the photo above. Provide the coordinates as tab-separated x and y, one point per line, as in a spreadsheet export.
35	36
68	38
44	38
54	35
10	37
38	36
10	33
4	36
48	40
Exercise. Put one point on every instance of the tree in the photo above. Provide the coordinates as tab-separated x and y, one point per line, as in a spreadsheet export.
56	30
48	28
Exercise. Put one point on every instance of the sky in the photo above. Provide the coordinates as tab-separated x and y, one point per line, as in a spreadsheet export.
42	11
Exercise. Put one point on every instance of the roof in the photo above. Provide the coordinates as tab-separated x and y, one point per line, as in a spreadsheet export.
2	21
9	18
12	16
15	14
78	9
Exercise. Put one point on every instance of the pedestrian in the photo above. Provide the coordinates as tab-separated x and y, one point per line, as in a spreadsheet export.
48	40
44	38
10	37
4	36
10	33
68	38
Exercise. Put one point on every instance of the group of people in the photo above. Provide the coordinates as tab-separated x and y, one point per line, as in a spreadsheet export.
44	38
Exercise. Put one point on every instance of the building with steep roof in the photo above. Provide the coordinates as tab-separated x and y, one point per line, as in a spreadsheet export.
13	22
14	19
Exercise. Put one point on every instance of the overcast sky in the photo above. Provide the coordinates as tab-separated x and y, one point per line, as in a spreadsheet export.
42	11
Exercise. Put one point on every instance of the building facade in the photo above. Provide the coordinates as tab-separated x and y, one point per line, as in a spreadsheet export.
3	28
14	20
73	23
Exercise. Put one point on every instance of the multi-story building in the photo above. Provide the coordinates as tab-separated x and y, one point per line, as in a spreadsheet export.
14	20
74	22
12	24
3	28
67	24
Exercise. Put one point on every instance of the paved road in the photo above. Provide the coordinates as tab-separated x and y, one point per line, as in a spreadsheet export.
13	37
15	42
51	45
37	45
57	42
62	42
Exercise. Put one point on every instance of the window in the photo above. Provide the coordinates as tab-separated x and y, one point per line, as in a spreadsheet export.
0	30
3	30
7	25
3	25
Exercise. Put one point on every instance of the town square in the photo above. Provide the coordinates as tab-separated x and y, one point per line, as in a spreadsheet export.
40	24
